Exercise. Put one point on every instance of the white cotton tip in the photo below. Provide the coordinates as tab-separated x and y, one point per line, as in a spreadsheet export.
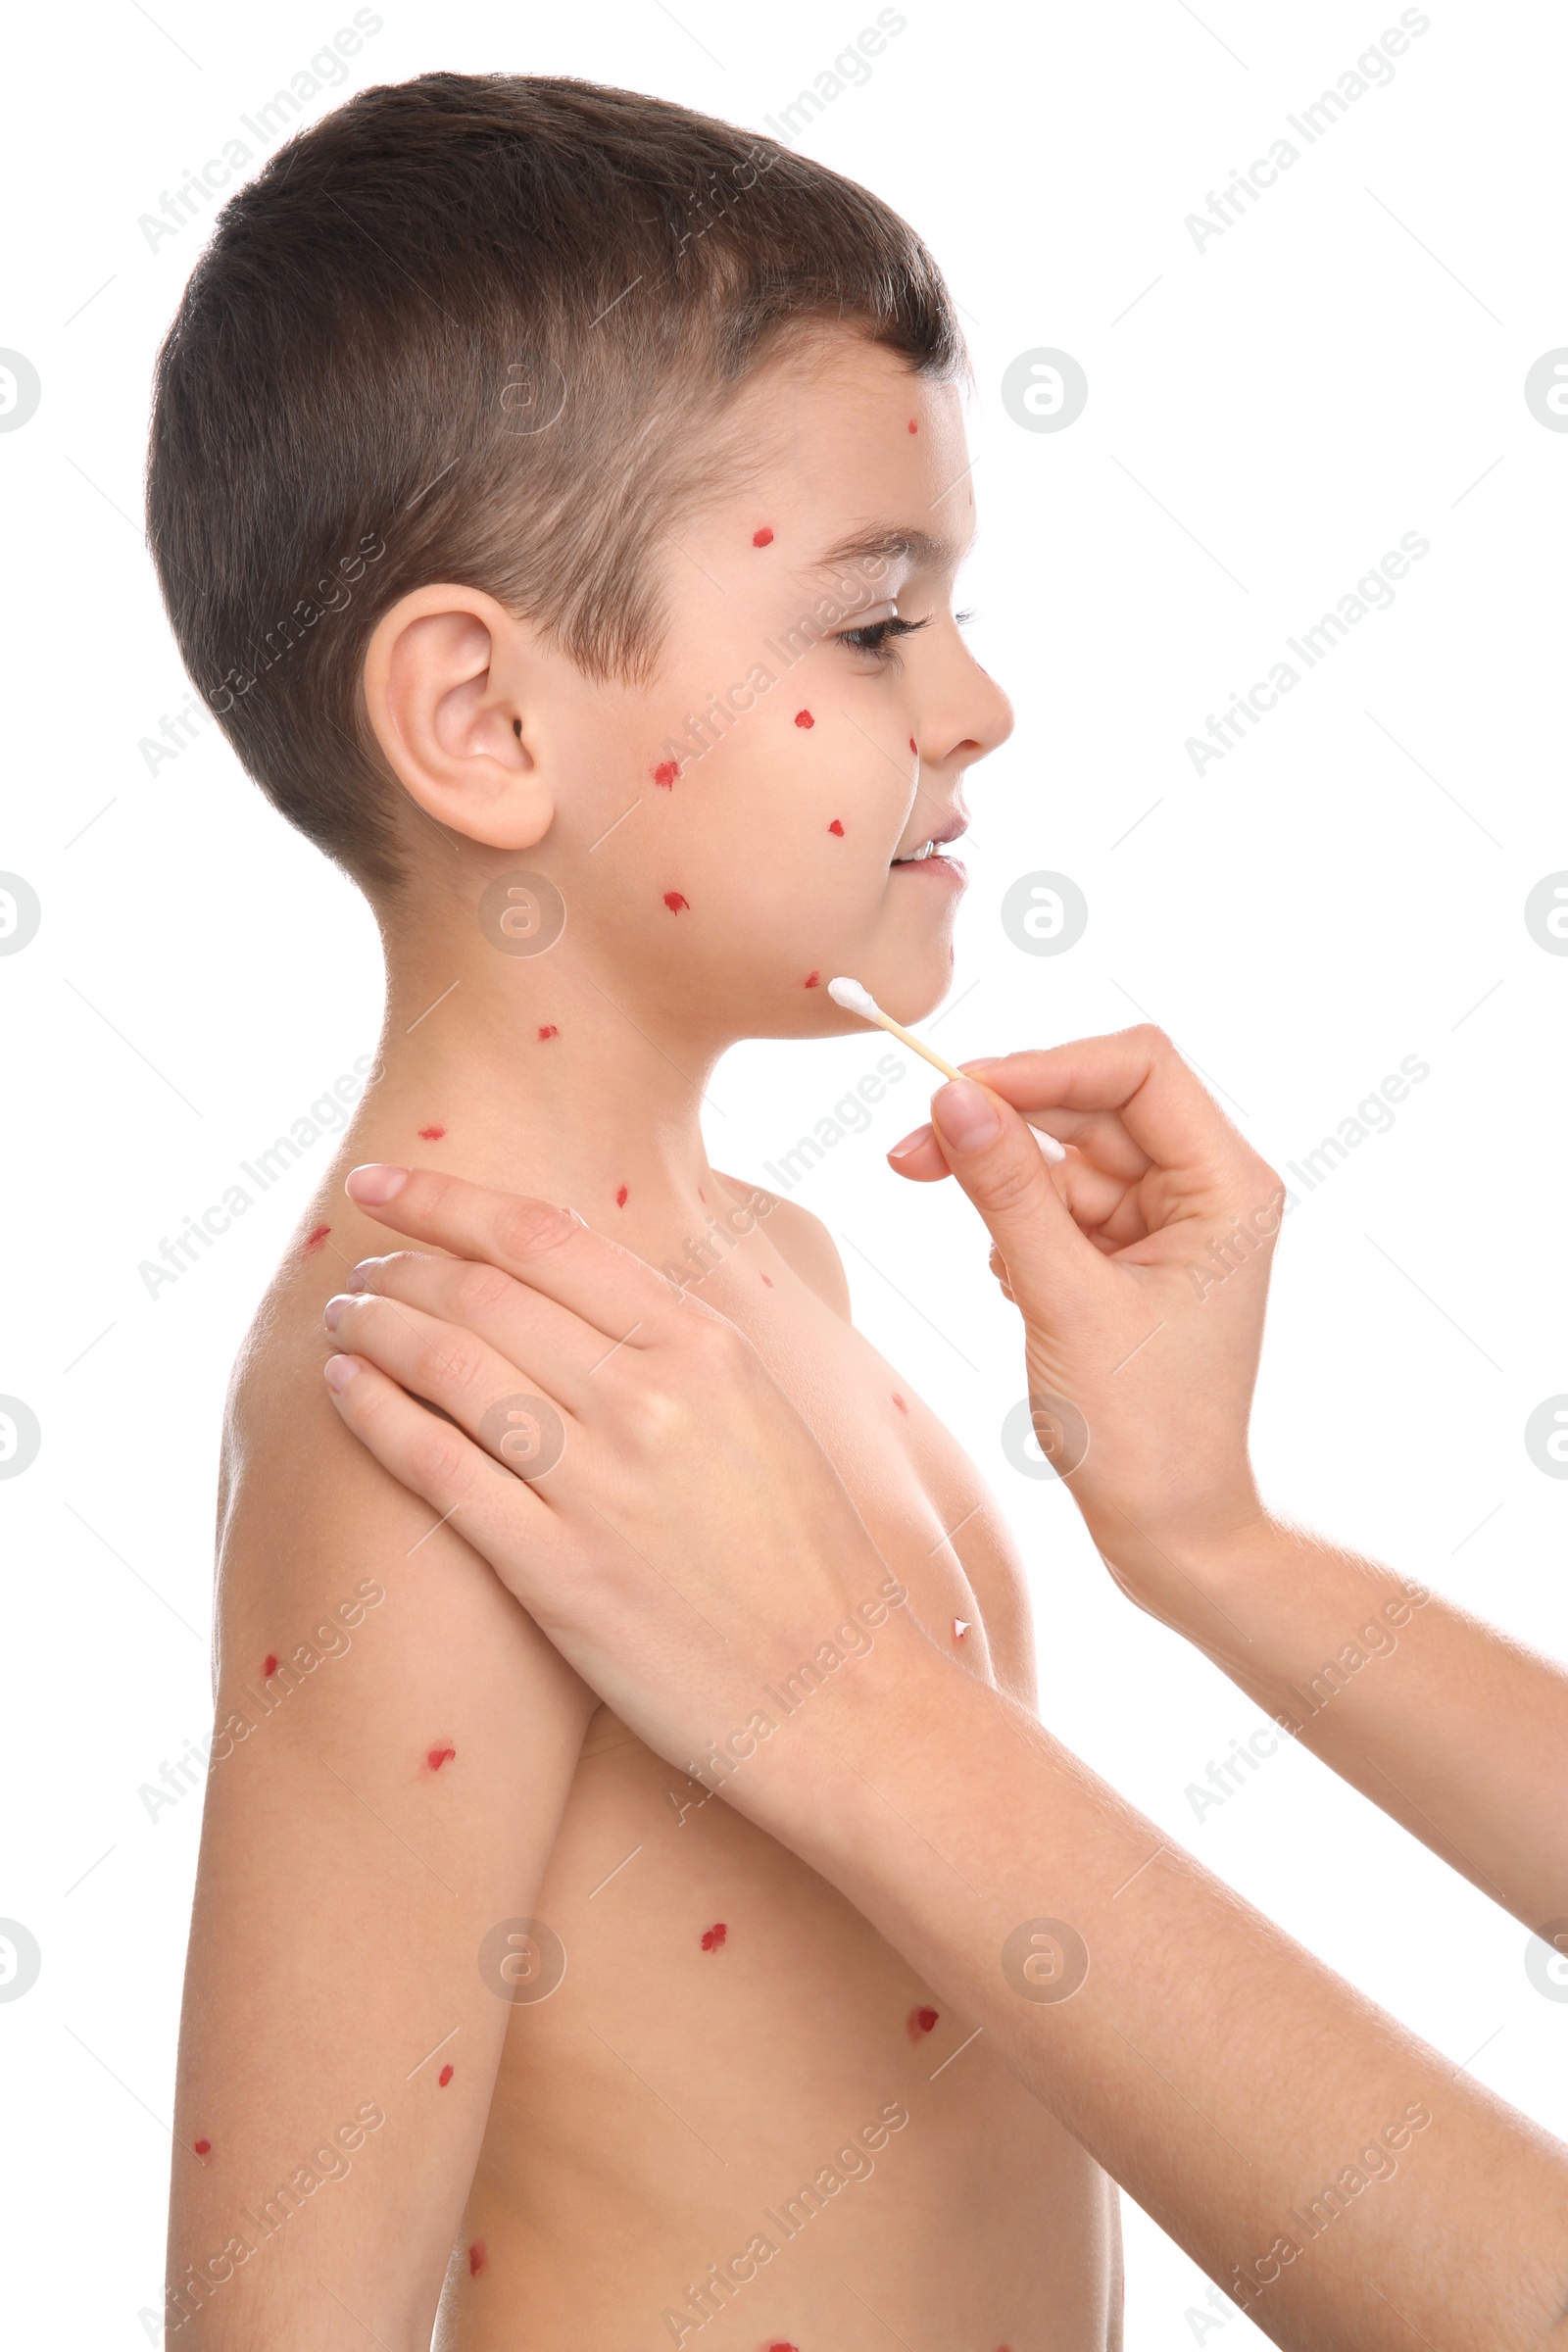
853	998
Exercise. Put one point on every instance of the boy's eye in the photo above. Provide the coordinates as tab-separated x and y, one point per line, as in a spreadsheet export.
878	636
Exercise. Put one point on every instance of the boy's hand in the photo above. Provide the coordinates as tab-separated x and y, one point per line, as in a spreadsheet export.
599	1428
1140	1265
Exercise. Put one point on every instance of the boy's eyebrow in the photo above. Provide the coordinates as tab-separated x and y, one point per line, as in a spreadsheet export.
892	540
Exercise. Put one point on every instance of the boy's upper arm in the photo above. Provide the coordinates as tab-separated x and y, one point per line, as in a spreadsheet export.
377	1808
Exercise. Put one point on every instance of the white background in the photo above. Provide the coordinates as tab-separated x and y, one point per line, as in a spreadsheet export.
1343	365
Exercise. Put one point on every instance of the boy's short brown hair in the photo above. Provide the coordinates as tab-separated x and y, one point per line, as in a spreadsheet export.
478	328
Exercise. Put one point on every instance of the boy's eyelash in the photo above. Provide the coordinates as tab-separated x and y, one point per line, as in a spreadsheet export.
876	637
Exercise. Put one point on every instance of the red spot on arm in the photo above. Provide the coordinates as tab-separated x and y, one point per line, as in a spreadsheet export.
814	979
768	1279
837	827
676	902
921	2022
898	1401
664	774
314	1239
433	1135
715	1938
620	1196
549	1030
444	2077
762	538
804	718
269	1665
439	1756
477	2258
204	2147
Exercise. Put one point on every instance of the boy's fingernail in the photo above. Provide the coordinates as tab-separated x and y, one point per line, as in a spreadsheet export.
911	1143
331	1311
966	1115
375	1184
339	1370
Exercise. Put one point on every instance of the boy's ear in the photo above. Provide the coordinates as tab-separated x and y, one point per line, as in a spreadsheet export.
447	687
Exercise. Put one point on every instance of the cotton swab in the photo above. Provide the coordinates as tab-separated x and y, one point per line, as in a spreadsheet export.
855	999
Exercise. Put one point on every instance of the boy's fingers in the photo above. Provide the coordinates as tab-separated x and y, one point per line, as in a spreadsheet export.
546	1247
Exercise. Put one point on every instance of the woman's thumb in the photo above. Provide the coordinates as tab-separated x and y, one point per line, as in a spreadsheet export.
995	1156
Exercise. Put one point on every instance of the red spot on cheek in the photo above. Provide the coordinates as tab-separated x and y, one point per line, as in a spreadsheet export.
433	1135
676	902
439	1756
804	718
665	773
444	2077
620	1196
921	2022
269	1665
477	2258
549	1030
762	538
837	827
714	1938
204	2147
314	1239
898	1401
814	979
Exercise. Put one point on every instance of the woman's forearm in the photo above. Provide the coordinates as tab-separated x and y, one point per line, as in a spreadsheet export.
1345	2184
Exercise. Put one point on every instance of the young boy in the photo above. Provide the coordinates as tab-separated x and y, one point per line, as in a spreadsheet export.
558	496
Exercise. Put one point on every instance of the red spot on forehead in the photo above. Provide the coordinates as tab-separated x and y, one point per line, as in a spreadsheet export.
837	827
665	773
714	1937
898	1401
814	979
762	538
676	902
269	1665
804	718
314	1239
444	2077
620	1196
433	1135
477	2258
921	2021
204	2147
549	1030
439	1756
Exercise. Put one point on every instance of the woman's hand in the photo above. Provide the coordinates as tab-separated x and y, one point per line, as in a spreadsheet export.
1140	1265
583	1400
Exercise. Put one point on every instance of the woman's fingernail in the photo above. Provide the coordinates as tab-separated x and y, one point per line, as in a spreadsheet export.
339	1370
911	1143
966	1115
331	1311
375	1184
360	1275
987	1061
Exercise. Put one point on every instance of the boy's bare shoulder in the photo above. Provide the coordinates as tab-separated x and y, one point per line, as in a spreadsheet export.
801	1241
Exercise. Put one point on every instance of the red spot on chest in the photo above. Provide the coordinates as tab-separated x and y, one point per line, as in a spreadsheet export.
439	1756
204	2147
477	2258
433	1135
804	718
314	1239
898	1401
676	902
620	1196
837	827
919	2021
762	538
549	1030
269	1665
715	1937
664	774
444	2077
813	980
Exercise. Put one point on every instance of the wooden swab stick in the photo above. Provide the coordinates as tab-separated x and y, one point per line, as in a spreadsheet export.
855	999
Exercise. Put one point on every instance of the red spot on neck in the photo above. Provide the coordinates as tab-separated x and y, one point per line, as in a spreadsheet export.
915	747
676	902
444	2077
620	1196
898	1401
433	1135
549	1030
762	538
714	1938
664	774
804	718
921	2022
269	1665
439	1756
814	979
837	827
477	2258
204	2147
314	1237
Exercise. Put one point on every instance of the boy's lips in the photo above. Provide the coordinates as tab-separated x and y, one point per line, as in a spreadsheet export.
928	853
